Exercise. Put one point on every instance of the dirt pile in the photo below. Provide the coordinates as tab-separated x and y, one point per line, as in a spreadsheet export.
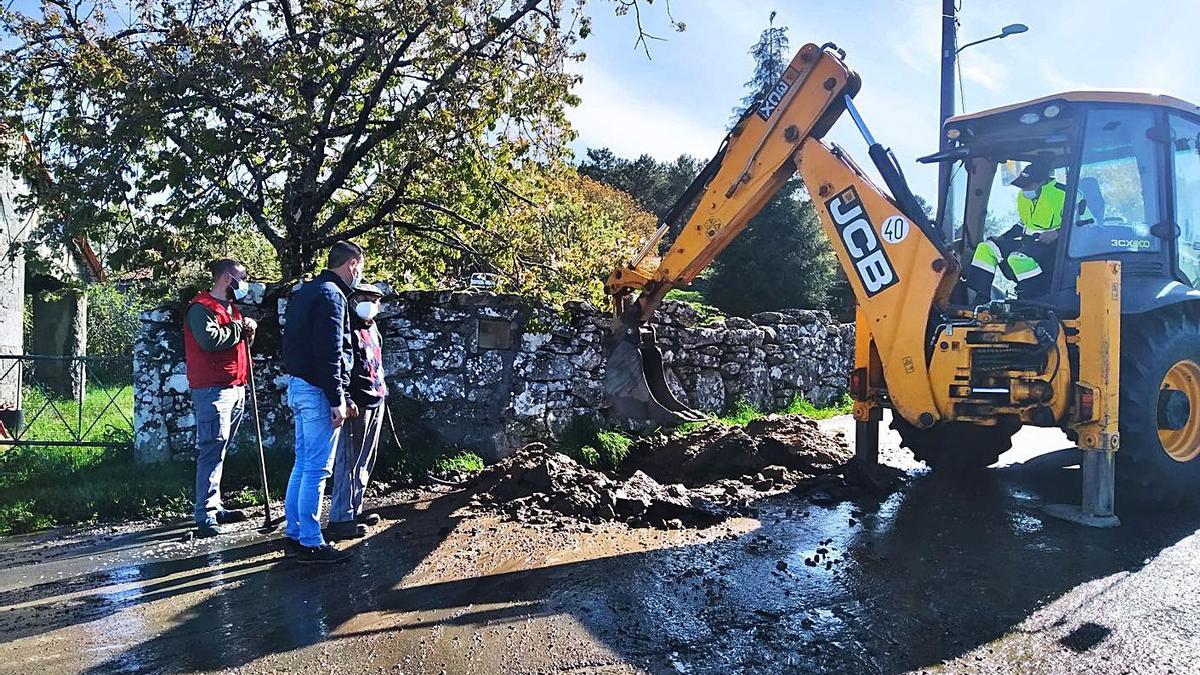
672	480
715	452
540	487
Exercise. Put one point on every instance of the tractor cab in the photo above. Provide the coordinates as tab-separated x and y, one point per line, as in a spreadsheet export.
1037	188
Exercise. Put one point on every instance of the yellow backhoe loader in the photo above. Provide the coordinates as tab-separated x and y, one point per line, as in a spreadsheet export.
1104	343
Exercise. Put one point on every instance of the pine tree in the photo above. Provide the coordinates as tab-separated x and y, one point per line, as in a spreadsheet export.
770	58
783	259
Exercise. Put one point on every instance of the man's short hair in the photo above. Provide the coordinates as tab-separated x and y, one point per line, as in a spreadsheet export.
220	268
343	252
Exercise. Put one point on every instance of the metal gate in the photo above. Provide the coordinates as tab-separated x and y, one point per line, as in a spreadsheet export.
66	400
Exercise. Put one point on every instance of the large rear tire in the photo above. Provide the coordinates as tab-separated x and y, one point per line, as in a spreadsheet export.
955	446
1159	456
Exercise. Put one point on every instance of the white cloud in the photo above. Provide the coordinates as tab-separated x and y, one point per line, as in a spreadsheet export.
985	71
917	39
613	115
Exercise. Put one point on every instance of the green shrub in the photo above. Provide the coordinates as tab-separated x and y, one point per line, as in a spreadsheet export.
742	413
113	318
613	448
588	456
463	462
800	406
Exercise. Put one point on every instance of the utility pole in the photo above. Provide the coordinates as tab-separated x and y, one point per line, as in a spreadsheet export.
949	52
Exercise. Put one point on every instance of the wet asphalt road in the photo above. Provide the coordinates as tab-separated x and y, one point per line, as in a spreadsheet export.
946	575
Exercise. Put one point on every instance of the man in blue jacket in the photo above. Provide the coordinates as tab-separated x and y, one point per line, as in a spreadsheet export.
317	354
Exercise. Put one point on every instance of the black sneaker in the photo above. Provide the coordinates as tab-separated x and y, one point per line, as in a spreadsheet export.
231	516
207	531
291	547
320	555
369	519
345	530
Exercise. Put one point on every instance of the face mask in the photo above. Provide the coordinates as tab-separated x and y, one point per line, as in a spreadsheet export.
366	310
357	279
1031	194
240	290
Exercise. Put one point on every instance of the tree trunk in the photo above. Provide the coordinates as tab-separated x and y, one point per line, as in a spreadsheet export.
296	260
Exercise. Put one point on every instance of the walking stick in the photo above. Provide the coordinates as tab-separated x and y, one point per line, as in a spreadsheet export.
268	526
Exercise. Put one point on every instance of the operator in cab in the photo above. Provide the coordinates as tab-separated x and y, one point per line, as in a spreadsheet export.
1025	253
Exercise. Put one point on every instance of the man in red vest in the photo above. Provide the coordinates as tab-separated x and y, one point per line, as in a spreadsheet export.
216	341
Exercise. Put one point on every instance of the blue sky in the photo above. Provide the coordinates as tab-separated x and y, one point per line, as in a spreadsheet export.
679	101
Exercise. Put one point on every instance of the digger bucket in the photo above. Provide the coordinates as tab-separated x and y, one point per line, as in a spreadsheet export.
635	383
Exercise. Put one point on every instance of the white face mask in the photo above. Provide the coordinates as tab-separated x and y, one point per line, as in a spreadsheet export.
366	310
1031	194
239	288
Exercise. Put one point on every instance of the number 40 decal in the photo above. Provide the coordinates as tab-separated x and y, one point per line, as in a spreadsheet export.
895	229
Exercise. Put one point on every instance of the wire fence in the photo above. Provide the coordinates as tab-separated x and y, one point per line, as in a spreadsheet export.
82	401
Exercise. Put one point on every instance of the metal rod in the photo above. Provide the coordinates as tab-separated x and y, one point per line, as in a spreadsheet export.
997	36
650	243
262	459
858	121
82	394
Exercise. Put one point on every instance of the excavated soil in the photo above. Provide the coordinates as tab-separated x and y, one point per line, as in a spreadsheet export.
674	480
715	452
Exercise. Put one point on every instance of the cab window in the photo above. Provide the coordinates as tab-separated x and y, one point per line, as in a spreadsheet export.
1185	160
1117	194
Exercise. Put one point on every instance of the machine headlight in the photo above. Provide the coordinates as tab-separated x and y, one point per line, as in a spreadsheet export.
1051	111
1029	118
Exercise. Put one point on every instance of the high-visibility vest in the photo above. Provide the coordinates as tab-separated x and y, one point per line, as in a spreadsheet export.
226	368
1045	212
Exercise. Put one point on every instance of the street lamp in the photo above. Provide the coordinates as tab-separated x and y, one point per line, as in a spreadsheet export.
950	51
1010	29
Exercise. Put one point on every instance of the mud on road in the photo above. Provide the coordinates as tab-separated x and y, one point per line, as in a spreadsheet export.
944	575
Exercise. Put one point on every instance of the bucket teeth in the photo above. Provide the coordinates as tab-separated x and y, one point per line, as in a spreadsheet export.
635	382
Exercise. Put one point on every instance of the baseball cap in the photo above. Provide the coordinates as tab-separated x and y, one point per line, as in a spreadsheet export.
1033	175
368	289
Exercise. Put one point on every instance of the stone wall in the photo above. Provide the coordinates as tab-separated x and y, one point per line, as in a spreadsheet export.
491	372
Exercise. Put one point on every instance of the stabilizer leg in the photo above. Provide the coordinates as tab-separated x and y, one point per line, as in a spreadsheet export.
1096	509
1099	289
866	443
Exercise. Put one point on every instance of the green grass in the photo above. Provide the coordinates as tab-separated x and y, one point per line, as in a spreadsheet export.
58	419
68	485
800	406
708	313
743	413
463	462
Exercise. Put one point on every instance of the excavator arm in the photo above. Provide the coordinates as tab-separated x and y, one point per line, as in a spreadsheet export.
896	264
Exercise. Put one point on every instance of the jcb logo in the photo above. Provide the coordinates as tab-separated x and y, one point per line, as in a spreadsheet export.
771	100
858	236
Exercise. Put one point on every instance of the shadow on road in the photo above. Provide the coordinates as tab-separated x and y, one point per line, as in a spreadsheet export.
944	566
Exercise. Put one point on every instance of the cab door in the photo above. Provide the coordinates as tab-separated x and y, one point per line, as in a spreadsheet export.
1185	198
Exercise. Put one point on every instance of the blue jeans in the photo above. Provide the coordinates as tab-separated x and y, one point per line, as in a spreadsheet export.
218	414
316	439
355	460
